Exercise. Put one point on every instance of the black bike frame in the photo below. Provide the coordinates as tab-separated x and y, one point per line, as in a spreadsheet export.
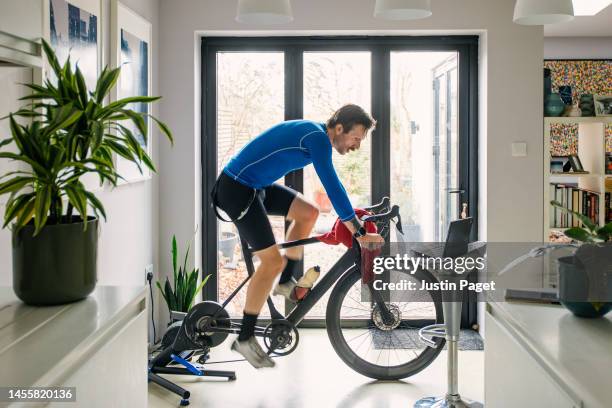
346	264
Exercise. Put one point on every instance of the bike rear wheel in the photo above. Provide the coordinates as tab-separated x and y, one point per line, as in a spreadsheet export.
375	347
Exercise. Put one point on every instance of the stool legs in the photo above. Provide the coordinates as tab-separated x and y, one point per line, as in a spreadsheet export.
452	399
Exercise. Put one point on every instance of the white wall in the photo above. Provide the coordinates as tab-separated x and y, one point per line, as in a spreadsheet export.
577	47
129	240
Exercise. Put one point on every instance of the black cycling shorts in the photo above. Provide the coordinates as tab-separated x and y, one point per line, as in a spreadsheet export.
233	197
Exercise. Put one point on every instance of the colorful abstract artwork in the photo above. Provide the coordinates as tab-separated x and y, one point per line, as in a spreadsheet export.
585	77
563	139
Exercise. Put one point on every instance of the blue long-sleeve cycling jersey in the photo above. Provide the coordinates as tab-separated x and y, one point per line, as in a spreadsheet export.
286	147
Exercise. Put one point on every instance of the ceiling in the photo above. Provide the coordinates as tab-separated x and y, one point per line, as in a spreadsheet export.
599	25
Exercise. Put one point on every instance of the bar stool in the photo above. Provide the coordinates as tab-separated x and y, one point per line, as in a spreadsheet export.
451	308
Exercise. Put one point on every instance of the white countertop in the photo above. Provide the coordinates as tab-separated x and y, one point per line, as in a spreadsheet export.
39	345
576	352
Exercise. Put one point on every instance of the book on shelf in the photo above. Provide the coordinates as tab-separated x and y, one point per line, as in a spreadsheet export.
575	206
608	206
582	201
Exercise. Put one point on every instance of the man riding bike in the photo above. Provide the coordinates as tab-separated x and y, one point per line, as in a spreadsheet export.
246	191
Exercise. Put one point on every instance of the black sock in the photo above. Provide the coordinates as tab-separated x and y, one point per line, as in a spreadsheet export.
289	270
248	326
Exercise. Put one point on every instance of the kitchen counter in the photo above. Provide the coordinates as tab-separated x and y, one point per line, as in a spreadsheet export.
89	344
572	353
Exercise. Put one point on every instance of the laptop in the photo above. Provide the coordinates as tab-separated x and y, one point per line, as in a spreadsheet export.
456	243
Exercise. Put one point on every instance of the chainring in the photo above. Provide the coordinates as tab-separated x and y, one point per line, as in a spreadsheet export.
281	337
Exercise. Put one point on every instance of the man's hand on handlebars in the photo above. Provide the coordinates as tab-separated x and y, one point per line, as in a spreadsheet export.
369	240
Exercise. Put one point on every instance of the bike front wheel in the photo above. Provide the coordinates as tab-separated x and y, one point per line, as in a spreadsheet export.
377	347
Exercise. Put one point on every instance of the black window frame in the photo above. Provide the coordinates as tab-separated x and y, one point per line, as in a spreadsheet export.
380	48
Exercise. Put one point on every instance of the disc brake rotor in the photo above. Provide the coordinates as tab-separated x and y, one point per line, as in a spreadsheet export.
380	322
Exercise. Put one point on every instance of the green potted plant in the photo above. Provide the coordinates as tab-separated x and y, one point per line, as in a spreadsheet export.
70	132
180	297
586	274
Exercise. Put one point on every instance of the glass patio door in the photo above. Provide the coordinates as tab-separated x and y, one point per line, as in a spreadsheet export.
424	142
423	154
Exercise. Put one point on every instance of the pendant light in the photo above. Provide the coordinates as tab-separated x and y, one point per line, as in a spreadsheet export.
264	11
540	12
402	9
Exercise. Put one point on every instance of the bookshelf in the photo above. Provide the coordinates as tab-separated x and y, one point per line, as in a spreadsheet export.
592	153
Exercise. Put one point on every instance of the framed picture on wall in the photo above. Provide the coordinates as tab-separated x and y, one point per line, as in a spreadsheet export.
131	50
73	27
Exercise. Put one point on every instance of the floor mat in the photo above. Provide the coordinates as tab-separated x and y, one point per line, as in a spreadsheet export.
409	339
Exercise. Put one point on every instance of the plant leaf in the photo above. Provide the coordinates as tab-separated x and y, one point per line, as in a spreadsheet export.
5	142
50	54
95	203
40	170
15	206
26	214
121	103
78	199
164	128
107	80
162	291
42	205
15	184
580	234
138	120
82	87
170	295
186	257
605	232
174	256
199	288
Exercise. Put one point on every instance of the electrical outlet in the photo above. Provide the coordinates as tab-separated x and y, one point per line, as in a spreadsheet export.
148	273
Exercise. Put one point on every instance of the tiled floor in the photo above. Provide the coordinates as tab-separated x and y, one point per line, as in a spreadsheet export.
313	376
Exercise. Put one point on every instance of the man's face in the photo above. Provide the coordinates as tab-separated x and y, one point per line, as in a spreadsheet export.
345	142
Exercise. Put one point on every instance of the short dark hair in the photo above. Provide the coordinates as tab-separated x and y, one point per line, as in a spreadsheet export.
350	115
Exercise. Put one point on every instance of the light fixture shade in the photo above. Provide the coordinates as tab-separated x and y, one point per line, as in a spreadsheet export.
402	9
264	11
540	12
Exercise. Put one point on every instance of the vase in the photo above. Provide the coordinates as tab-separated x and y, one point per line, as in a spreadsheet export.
554	106
575	288
58	265
565	92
